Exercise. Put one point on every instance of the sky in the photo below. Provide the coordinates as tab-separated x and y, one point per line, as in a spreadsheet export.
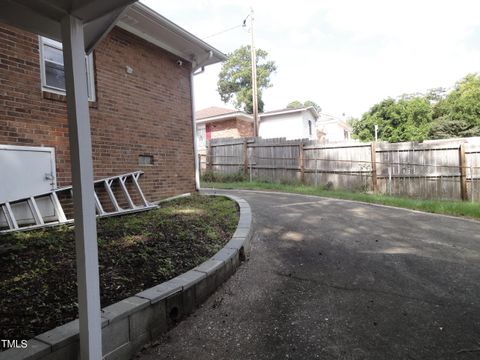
346	55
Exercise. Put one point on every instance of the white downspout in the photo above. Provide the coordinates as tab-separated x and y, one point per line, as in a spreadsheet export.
195	66
194	130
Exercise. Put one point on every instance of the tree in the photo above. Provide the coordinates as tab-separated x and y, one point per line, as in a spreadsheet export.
406	119
298	104
235	78
295	105
458	113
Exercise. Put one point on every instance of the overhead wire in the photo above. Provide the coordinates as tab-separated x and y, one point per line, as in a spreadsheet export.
229	29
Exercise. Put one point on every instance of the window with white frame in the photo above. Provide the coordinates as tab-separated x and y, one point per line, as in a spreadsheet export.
201	137
52	68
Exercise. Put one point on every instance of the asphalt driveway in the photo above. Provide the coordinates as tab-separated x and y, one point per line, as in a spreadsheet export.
333	279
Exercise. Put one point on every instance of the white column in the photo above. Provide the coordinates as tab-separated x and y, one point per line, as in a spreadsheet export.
82	180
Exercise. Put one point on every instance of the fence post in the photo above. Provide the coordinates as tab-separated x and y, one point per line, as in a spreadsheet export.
302	163
472	192
389	180
245	157
209	160
463	172
373	151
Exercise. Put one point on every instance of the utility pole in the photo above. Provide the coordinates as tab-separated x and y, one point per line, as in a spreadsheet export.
254	78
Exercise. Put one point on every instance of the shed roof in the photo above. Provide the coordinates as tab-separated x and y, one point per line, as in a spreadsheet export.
215	113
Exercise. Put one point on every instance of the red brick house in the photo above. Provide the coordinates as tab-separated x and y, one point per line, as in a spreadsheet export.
216	122
140	90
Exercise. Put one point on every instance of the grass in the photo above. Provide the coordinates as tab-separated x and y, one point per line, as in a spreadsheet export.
454	208
137	251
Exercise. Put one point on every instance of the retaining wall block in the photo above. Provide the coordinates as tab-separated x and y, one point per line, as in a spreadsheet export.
190	278
161	291
189	300
123	352
115	335
148	322
61	336
70	352
124	308
35	350
201	292
174	309
211	269
242	232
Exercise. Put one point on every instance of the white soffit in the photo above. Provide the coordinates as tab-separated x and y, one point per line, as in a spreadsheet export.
43	17
158	30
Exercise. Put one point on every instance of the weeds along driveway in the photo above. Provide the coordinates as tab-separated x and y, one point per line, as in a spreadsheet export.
333	279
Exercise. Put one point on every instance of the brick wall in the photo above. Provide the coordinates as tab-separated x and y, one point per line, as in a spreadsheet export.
147	112
245	129
231	128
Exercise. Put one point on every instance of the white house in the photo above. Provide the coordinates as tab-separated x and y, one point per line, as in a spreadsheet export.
289	123
332	129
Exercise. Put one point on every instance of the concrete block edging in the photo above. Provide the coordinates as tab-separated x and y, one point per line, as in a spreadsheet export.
134	322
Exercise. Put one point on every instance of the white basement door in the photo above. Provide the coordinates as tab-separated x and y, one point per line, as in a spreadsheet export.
26	171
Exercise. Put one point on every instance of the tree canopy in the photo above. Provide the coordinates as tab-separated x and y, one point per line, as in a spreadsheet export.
298	104
458	113
397	120
235	78
417	117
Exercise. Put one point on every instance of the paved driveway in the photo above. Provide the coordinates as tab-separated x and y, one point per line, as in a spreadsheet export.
332	279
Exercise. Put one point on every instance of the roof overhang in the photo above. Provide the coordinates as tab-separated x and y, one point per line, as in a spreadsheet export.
44	17
158	30
311	109
229	116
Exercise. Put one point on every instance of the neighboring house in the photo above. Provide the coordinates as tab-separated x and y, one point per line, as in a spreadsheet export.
140	92
333	129
289	123
216	122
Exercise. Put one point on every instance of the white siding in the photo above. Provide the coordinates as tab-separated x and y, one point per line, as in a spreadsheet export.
335	132
290	126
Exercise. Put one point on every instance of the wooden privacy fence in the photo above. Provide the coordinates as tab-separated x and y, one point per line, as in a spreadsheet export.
442	169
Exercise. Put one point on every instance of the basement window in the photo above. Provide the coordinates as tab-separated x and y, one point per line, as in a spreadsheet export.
52	68
145	160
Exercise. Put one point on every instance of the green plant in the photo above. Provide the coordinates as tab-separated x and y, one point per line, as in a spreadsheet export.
210	176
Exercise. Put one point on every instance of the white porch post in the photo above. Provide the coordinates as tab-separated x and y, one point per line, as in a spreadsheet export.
82	180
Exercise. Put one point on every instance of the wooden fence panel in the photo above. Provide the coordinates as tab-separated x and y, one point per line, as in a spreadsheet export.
429	170
341	165
226	156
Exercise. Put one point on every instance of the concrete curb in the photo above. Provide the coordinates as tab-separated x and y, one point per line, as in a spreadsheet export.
130	324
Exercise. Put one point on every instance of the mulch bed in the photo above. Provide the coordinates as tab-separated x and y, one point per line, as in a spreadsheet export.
38	288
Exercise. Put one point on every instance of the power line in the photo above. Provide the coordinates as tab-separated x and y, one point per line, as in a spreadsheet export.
229	29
